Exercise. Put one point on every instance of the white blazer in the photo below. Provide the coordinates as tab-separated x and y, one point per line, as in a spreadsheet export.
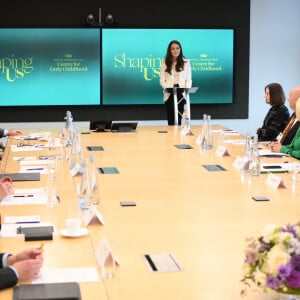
167	80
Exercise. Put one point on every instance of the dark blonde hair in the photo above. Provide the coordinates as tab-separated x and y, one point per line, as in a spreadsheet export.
276	92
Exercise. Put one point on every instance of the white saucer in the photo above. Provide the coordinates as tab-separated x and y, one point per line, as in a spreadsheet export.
82	232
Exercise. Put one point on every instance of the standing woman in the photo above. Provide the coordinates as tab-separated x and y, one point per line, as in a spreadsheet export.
277	116
175	71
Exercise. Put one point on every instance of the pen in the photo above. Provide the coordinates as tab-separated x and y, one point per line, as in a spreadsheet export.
27	222
34	169
22	196
267	172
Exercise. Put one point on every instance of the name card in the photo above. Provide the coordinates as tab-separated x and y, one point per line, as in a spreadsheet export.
275	181
105	258
91	213
242	163
222	151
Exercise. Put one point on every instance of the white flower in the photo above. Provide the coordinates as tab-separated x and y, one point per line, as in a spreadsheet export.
276	257
259	277
295	246
268	232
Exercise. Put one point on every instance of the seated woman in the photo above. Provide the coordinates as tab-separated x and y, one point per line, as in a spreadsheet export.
293	149
277	116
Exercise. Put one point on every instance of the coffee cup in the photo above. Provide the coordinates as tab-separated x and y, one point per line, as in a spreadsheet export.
73	226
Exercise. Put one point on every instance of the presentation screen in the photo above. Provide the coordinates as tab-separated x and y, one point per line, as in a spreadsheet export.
131	59
49	66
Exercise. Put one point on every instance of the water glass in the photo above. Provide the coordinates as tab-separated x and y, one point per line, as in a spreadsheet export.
296	173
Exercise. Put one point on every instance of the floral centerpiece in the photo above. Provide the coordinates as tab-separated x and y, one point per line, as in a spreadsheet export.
272	260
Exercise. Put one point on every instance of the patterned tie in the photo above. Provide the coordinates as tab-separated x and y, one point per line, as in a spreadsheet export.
287	128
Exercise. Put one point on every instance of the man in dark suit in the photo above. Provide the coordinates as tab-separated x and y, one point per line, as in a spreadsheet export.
293	124
11	132
22	266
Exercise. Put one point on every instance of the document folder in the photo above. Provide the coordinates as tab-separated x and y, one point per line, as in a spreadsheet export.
47	291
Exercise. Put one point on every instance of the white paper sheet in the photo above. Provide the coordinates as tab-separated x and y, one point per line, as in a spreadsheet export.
22	219
26	196
88	274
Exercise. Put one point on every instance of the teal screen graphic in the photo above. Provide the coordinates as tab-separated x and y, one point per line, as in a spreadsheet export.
49	66
131	61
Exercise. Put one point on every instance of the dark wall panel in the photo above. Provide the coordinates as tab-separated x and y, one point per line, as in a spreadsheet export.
205	14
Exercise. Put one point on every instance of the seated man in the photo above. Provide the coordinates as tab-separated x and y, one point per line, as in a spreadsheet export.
293	149
11	132
23	266
291	128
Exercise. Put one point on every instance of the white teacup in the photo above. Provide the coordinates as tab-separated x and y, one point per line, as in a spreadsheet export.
73	226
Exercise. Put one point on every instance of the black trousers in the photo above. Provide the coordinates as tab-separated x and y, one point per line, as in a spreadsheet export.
169	105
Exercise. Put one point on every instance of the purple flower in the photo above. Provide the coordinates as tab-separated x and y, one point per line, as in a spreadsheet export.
272	282
290	228
284	271
295	262
293	280
263	246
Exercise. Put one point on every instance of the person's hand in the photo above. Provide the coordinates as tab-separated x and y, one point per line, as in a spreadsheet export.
5	179
27	263
13	132
29	268
30	253
275	146
5	189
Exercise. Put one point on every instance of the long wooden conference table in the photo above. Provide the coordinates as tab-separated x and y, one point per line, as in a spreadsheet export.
202	218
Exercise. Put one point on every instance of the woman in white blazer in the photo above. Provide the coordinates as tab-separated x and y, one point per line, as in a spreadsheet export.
175	70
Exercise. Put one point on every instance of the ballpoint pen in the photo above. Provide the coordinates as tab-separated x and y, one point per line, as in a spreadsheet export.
35	169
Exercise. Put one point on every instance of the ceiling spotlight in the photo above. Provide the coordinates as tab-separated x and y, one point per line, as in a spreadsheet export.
109	19
90	19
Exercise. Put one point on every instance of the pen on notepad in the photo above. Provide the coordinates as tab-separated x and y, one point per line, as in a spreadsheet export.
35	169
22	196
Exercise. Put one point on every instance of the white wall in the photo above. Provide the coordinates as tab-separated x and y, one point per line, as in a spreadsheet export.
274	57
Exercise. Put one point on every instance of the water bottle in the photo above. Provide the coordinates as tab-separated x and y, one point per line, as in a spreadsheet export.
185	122
94	187
247	154
201	138
208	134
84	191
255	161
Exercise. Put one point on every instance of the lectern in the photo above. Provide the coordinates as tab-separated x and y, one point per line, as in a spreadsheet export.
186	95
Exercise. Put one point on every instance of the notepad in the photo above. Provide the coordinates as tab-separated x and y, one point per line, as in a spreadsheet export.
108	170
47	291
214	168
94	148
34	176
183	146
162	262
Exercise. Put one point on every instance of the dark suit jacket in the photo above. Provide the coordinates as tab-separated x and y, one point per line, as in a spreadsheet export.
290	135
8	277
1	132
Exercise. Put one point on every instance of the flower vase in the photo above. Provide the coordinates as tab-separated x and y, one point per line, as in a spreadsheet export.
288	297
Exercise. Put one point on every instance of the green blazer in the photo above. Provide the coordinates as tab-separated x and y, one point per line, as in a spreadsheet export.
293	149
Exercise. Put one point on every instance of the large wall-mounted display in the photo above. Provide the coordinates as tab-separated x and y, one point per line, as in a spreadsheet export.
131	59
49	66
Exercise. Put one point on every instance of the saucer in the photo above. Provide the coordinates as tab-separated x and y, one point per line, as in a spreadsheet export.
82	232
